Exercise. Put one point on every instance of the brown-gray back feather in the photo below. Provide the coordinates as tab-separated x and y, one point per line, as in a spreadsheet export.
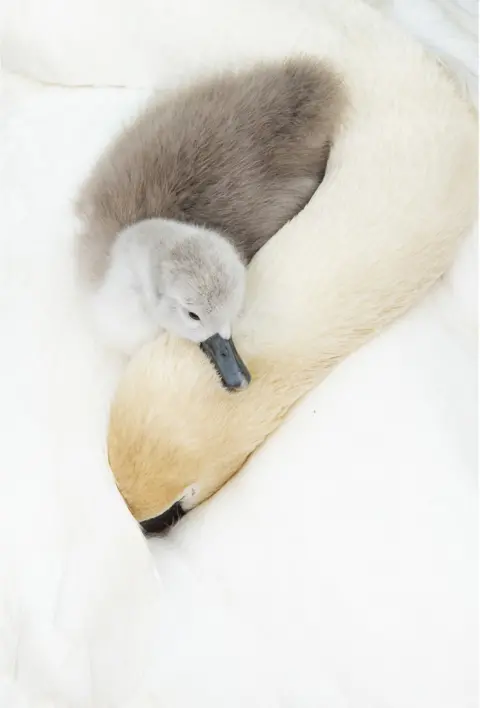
240	153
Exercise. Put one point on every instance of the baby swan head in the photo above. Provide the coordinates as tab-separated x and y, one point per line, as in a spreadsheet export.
200	282
164	275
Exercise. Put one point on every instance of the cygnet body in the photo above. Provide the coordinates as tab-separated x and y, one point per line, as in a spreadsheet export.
185	197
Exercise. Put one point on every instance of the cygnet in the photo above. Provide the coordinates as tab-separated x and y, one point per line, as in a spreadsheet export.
184	198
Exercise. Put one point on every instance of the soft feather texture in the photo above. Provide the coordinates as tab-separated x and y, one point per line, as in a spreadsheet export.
237	152
160	274
399	192
339	568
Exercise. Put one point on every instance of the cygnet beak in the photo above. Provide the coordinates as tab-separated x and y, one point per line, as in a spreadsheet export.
163	521
227	361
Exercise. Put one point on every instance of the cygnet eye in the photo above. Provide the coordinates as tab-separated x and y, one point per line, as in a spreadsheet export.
194	316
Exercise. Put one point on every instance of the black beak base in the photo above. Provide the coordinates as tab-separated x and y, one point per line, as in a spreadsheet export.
163	521
227	361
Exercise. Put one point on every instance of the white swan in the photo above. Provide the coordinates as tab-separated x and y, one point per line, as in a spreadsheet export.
383	227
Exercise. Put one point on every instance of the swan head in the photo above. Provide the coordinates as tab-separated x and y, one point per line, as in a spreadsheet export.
176	436
197	281
180	278
189	280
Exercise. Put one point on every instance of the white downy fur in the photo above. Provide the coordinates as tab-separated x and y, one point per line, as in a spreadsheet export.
356	589
153	282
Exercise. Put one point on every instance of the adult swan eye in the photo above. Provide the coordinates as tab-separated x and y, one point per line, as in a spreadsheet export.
193	316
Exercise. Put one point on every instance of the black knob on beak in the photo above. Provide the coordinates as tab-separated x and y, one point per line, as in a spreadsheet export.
163	521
